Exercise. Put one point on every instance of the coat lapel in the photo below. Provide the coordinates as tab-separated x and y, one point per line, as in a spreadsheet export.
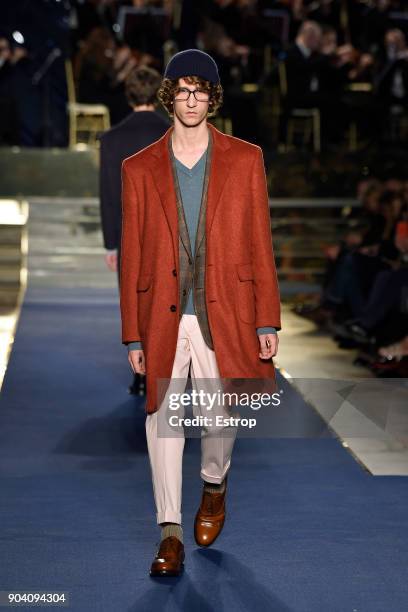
219	171
204	194
163	177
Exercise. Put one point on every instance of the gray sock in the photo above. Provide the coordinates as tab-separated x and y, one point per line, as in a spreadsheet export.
212	487
171	529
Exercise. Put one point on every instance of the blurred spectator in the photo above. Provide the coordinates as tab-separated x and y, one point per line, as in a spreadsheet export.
9	127
225	34
383	317
100	69
348	59
313	80
392	75
365	297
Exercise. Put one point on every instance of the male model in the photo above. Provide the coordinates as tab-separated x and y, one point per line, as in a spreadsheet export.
198	282
139	129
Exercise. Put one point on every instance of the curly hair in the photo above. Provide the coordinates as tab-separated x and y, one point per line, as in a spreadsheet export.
141	85
166	92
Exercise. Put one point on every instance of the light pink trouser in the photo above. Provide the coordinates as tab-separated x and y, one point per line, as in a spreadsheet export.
166	451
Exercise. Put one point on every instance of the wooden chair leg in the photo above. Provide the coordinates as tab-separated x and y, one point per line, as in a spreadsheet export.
308	131
72	129
353	136
289	134
316	132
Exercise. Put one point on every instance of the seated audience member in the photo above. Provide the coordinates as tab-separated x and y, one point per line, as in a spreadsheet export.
364	226
366	301
304	65
390	289
347	66
357	269
365	249
391	80
101	67
310	76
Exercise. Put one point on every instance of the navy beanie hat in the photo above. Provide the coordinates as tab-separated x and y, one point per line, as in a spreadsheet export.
192	62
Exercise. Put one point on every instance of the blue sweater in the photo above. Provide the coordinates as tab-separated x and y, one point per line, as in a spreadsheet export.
191	184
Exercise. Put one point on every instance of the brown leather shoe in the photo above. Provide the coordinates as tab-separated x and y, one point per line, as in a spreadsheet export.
210	517
169	558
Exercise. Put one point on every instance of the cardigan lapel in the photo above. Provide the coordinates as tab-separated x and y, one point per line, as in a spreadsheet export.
162	171
183	229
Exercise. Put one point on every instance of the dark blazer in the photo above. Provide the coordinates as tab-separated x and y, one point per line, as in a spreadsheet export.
386	70
137	131
300	71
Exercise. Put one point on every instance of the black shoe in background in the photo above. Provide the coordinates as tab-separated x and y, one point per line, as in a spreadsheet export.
138	387
359	333
352	333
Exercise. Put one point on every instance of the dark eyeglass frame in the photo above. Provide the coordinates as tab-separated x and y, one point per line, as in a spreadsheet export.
190	91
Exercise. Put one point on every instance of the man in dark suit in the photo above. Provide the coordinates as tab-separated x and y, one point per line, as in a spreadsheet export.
311	80
391	82
139	129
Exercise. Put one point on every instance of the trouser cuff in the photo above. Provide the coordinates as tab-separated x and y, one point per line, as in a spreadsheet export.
168	516
215	479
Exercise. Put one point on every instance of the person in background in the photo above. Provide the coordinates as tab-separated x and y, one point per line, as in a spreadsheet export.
19	99
391	80
8	108
310	76
139	129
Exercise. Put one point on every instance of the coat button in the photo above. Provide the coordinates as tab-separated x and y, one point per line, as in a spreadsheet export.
173	308
174	272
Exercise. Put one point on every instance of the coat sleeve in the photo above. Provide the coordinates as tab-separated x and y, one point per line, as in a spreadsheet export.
130	259
267	297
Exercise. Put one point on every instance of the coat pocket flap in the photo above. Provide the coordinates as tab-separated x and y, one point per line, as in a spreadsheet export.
144	282
245	271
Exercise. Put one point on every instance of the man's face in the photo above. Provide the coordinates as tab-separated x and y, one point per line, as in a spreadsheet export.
395	39
190	112
313	39
328	43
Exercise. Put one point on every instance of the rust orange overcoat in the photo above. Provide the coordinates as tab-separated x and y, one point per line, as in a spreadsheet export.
242	291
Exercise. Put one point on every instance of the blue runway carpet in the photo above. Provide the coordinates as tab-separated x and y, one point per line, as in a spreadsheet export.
308	528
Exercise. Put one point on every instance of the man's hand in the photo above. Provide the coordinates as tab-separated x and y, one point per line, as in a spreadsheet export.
269	345
137	361
111	260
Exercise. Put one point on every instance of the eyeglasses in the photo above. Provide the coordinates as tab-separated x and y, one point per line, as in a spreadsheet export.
184	94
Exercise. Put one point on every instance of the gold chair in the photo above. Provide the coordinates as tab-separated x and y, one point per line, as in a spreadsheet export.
304	121
352	133
90	119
